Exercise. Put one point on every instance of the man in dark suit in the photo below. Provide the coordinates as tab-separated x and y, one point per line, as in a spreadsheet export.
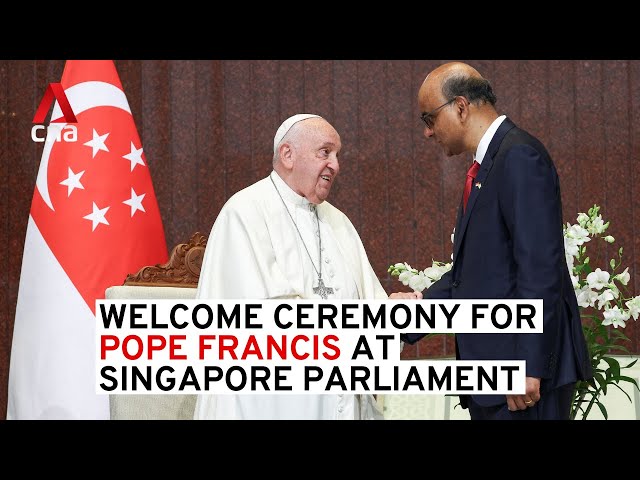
508	243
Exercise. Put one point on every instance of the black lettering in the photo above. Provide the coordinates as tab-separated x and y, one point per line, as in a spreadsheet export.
413	379
407	316
311	374
449	314
527	317
276	316
379	317
113	313
327	317
362	347
251	315
104	373
446	378
475	314
189	380
492	380
461	376
385	341
172	315
335	379
360	375
494	319
421	314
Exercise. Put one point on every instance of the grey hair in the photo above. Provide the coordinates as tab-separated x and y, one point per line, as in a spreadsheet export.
477	90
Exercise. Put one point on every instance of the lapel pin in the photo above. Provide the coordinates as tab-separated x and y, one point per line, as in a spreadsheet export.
478	185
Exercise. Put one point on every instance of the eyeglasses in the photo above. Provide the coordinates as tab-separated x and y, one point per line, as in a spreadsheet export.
430	117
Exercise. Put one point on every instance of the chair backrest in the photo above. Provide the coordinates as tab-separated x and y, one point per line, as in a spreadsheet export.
176	279
182	270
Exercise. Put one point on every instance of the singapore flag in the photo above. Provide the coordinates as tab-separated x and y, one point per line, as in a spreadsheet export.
94	218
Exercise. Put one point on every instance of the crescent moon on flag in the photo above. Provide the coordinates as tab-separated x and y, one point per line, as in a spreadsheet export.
82	96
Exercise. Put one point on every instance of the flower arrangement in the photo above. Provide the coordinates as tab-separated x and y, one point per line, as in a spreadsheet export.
604	302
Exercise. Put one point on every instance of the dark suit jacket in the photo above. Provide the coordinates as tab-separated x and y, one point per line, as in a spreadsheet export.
509	244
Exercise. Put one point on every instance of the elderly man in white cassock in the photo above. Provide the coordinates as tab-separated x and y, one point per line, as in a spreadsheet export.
280	238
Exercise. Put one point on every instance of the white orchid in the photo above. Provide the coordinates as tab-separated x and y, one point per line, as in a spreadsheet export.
623	277
598	279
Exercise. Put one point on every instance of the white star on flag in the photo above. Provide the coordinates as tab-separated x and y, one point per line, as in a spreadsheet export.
97	142
135	202
72	181
67	266
135	156
97	216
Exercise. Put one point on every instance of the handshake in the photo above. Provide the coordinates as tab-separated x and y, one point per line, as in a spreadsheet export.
405	296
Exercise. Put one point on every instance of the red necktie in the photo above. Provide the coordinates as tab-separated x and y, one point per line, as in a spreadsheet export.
471	175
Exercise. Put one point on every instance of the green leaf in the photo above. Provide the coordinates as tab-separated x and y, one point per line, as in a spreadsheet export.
624	378
603	410
601	381
614	365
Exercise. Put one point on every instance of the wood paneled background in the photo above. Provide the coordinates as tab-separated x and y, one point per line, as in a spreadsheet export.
207	129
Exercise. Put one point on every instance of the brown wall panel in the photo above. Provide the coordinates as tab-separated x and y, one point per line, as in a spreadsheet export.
156	141
401	215
561	140
210	158
373	162
264	116
618	164
207	129
19	149
346	193
632	254
183	148
6	255
237	131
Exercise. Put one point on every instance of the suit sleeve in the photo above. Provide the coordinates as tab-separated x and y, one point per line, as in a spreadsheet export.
438	290
531	206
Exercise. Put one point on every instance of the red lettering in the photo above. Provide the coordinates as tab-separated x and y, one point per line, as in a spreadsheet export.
108	343
230	347
202	346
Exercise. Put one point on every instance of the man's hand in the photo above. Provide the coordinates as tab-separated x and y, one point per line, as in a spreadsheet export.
405	295
529	399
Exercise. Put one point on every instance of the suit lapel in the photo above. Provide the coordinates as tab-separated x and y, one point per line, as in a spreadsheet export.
476	189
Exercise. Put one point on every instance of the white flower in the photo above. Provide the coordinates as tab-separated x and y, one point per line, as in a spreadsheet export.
609	239
598	279
616	317
574	280
605	297
597	225
623	277
634	307
577	233
583	218
571	247
586	297
419	282
405	276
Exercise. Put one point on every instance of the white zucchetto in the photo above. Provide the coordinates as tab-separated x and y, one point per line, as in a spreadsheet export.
286	126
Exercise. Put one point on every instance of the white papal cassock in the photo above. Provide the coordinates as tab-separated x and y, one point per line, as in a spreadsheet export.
255	252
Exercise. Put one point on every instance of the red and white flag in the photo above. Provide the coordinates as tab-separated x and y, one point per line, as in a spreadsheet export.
94	218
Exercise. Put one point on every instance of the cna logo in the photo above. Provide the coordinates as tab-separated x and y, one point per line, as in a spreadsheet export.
59	129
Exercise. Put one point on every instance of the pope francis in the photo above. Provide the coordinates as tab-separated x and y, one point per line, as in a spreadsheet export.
280	238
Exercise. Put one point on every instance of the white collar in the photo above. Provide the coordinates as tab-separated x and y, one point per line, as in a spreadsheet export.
486	139
287	193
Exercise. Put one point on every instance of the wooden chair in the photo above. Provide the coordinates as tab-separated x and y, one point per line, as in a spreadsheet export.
176	279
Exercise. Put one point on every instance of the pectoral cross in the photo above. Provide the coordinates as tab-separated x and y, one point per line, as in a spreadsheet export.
321	289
